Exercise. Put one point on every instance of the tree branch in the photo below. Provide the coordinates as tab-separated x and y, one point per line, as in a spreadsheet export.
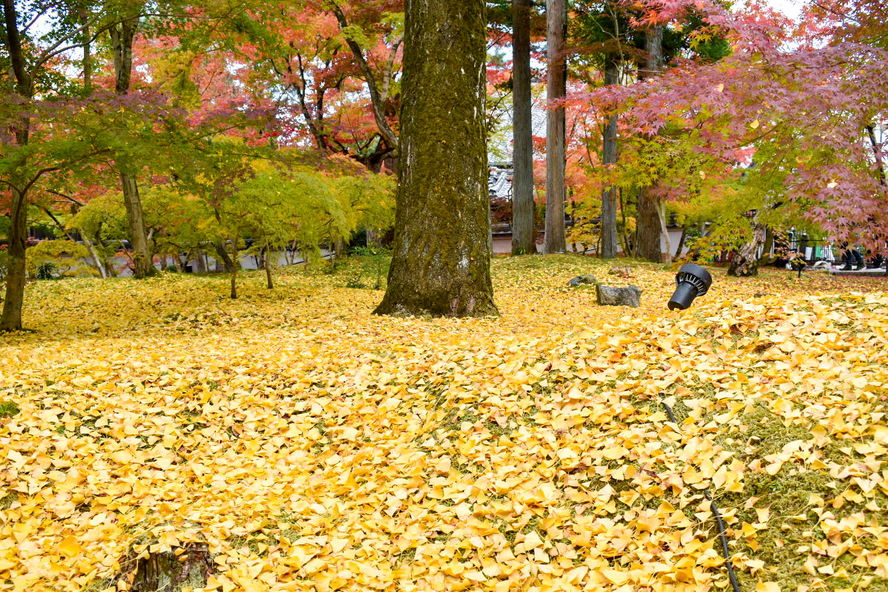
376	101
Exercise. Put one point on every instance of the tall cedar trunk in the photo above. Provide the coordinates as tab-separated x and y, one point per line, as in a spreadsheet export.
556	88
648	231
609	196
522	158
441	261
11	320
122	44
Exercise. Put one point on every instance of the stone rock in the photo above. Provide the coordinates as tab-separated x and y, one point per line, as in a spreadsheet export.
619	296
582	279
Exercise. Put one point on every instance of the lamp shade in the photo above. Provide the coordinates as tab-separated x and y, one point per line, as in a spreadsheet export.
690	281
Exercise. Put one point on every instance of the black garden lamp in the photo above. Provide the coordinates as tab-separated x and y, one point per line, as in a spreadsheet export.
691	281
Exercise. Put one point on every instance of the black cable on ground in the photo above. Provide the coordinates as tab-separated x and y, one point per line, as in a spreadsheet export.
718	518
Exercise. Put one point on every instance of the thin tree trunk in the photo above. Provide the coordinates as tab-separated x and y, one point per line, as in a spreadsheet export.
441	261
122	46
234	267
87	56
377	97
92	251
681	241
609	197
648	227
877	152
142	260
523	241
662	217
628	248
99	265
109	267
556	89
227	263
268	279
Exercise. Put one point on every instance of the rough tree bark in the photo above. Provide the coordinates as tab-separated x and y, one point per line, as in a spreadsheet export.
556	88
122	37
441	261
11	320
174	570
522	156
648	226
647	229
609	196
745	262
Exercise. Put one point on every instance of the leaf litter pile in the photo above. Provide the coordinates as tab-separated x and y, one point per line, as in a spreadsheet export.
313	446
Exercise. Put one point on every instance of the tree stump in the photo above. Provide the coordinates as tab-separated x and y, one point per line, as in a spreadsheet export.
171	571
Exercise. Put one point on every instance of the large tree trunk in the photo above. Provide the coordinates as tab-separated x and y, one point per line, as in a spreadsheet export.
556	88
122	45
609	196
745	260
15	273
523	241
648	223
647	229
11	320
441	261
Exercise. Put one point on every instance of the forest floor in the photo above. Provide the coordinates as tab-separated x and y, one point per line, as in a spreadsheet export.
314	446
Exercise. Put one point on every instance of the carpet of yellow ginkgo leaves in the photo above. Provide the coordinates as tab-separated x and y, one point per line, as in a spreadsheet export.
314	446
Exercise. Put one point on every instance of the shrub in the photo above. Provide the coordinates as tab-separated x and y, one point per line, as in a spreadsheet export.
58	258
